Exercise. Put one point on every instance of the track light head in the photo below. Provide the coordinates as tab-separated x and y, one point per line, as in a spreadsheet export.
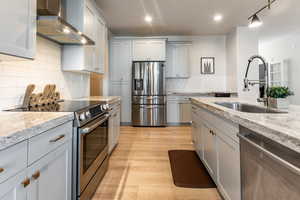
255	22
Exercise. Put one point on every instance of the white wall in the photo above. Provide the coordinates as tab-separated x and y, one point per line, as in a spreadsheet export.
45	69
285	47
203	46
241	44
247	46
231	61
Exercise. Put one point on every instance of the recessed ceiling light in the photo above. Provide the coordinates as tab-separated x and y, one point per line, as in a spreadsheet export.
148	18
218	17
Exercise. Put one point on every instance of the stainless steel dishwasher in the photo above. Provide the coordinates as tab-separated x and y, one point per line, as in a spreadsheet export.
269	171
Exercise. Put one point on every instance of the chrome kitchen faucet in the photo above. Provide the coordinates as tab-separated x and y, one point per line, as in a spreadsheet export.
263	97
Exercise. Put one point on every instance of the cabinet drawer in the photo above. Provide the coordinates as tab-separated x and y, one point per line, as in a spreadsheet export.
227	127
13	160
46	142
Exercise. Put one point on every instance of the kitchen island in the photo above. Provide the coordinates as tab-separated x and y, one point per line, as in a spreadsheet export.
218	132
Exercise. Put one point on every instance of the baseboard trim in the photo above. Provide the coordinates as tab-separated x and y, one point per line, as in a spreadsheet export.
179	124
126	123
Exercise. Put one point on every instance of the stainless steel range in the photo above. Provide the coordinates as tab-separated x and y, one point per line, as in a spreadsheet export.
90	142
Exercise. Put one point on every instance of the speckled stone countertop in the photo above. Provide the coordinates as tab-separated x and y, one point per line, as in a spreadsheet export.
16	127
107	99
282	128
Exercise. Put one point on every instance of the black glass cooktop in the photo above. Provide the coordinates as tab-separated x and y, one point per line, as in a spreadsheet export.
65	106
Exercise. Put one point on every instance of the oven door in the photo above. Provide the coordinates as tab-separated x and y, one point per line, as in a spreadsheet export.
93	144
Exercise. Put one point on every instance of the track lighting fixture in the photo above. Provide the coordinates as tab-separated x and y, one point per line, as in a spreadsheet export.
254	19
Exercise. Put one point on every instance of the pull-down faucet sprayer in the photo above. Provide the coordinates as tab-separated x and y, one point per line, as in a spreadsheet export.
263	92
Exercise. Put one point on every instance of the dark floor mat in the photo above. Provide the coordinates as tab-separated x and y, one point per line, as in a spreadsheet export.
188	170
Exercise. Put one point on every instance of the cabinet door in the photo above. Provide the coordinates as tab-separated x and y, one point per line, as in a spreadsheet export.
149	50
229	168
210	150
18	28
185	112
157	50
14	188
51	176
181	61
89	22
177	61
100	46
117	125
111	131
120	60
173	112
123	89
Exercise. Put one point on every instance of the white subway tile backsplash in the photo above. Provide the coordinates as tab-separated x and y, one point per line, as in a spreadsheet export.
45	69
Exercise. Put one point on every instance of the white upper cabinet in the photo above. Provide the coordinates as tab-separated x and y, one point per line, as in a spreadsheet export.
149	50
18	28
89	26
84	15
178	60
101	41
120	60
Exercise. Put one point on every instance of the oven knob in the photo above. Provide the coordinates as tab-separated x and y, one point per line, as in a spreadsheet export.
88	114
82	117
105	107
102	108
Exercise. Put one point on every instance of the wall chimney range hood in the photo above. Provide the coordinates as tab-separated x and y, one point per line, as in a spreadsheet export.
52	24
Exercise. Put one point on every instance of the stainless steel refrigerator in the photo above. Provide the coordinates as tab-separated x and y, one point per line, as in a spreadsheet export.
148	94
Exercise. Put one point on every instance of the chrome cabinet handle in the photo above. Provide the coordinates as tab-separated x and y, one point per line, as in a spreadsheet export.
36	175
57	139
1	170
26	182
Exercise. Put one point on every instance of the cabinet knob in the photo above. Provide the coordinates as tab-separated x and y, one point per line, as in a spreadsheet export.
26	182
36	175
1	170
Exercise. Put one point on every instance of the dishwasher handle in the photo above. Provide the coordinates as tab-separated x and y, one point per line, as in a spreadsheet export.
271	155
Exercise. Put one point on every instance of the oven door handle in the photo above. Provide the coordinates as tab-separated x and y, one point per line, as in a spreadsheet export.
90	128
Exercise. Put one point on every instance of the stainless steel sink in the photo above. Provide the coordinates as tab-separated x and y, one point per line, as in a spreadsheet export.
242	107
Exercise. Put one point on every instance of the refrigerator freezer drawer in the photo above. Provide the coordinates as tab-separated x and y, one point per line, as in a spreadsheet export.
149	100
149	115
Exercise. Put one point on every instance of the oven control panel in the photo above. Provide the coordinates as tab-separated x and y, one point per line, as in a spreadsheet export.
89	114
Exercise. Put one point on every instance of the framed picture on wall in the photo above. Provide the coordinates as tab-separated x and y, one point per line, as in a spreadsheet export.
207	65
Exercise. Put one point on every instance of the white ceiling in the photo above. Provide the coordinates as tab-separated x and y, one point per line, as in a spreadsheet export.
282	19
176	17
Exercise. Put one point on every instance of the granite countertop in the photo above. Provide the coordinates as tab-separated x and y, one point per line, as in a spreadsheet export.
282	128
107	99
16	127
195	93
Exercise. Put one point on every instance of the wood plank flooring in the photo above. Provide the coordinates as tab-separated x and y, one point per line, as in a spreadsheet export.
139	168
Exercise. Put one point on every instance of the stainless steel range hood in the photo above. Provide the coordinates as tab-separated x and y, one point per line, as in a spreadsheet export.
52	24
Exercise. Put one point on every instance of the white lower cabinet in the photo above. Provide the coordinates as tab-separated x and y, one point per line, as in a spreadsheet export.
48	177
114	127
178	109
216	144
13	188
122	89
229	168
210	150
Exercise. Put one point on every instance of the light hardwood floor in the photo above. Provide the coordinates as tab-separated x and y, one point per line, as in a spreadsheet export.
139	167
